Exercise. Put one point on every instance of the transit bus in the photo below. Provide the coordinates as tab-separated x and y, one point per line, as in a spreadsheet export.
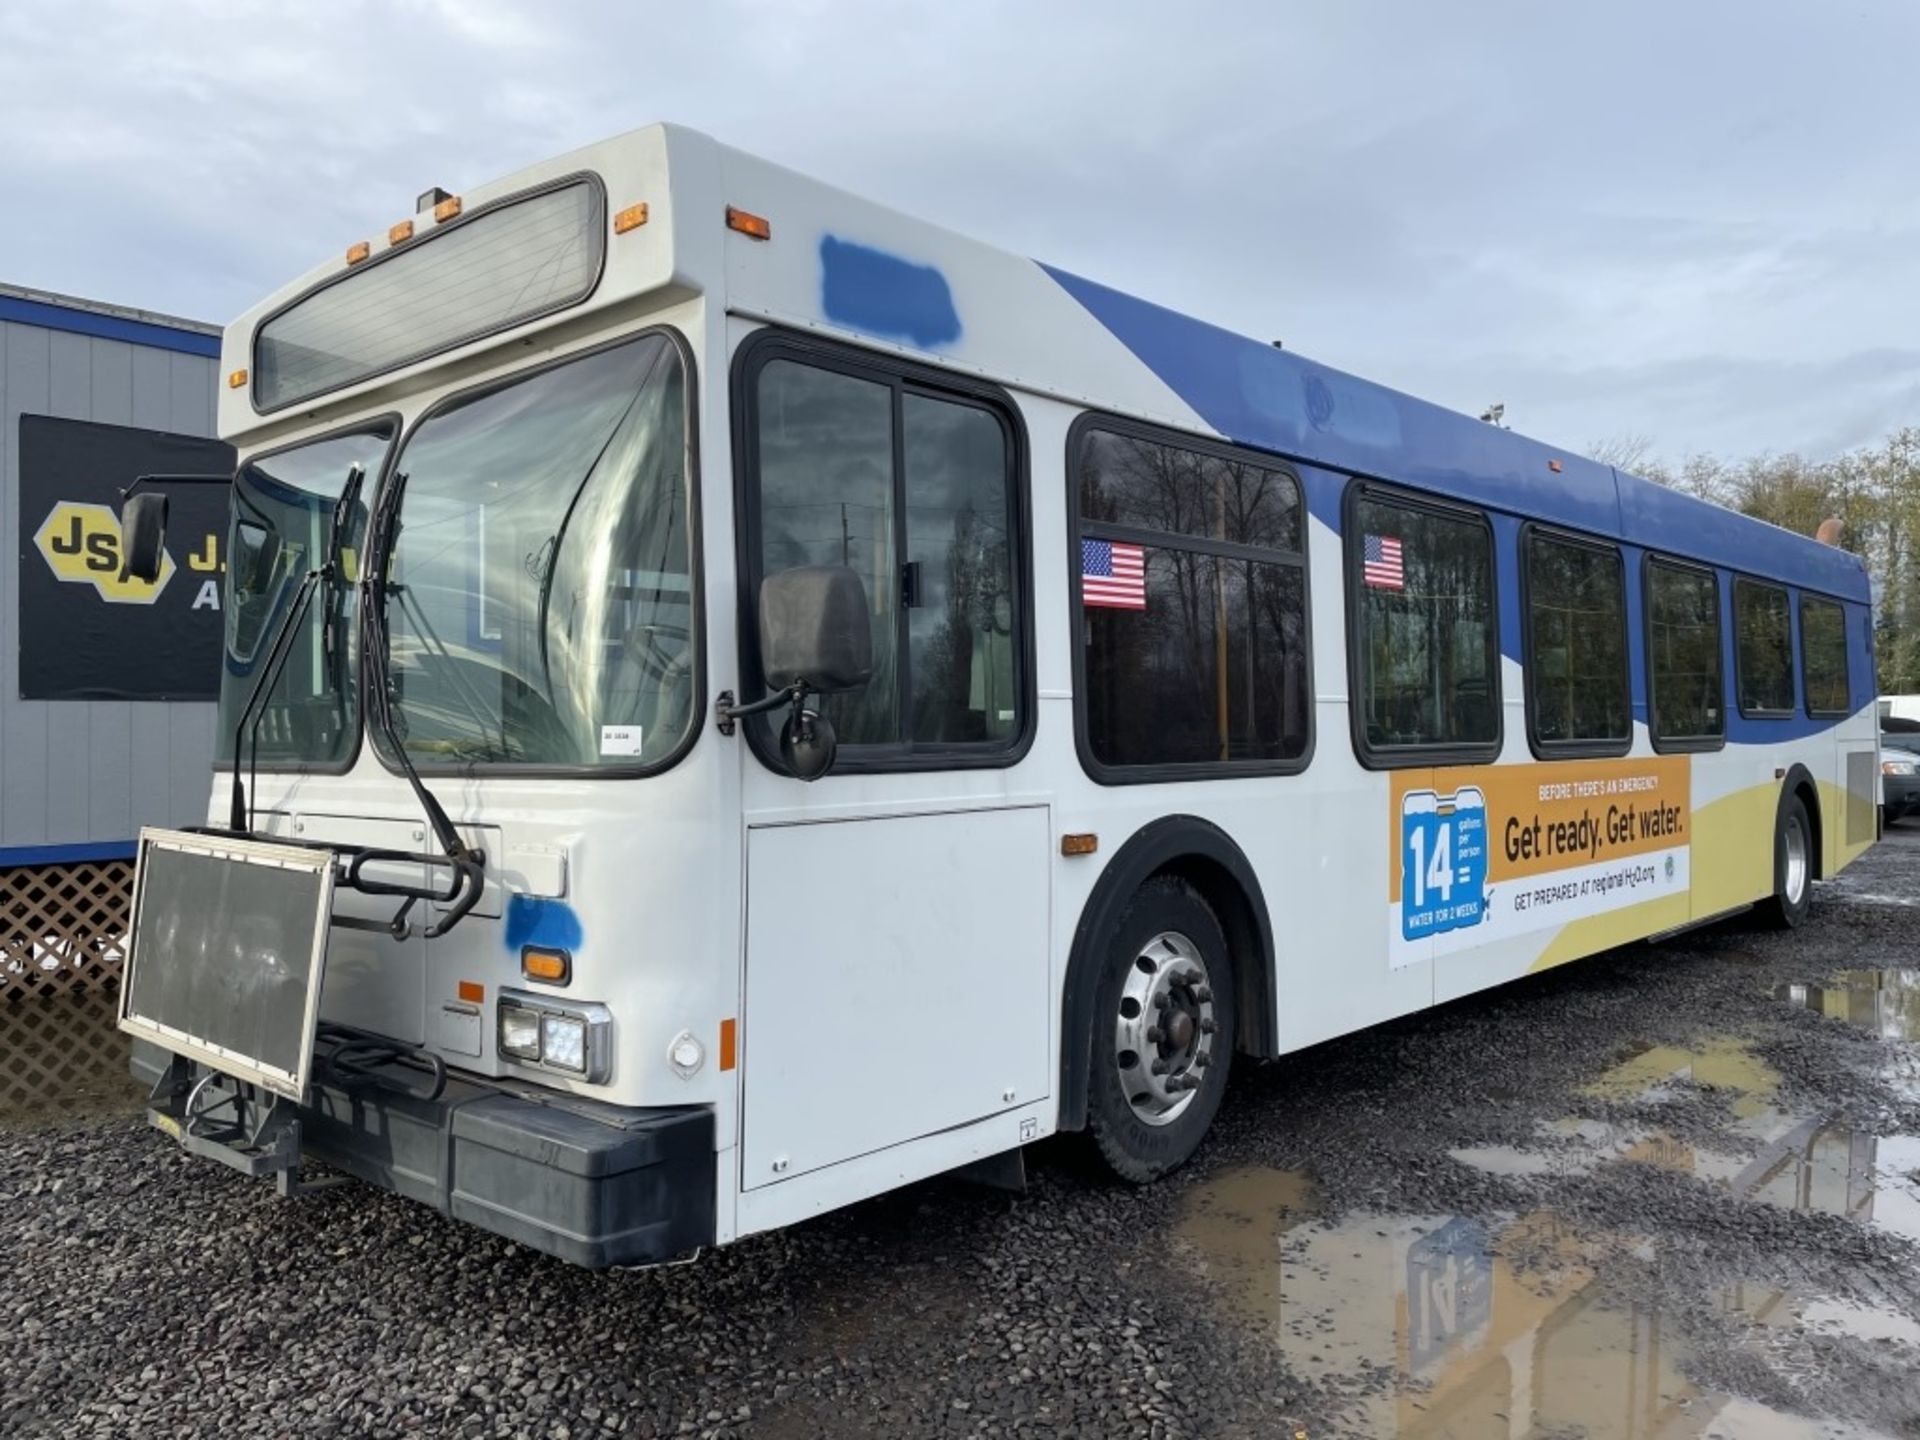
736	700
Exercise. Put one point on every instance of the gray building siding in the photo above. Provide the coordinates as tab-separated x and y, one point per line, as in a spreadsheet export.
91	773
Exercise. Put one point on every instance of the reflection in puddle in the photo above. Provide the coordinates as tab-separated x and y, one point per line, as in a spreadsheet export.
1481	1329
1884	1002
1495	1328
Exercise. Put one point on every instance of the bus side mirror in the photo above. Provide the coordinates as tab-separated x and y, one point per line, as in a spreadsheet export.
143	536
815	638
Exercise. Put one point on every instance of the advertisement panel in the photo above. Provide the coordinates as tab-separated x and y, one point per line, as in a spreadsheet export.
1488	852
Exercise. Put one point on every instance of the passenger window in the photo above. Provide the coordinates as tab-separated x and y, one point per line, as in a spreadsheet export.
1687	700
1193	606
1577	689
1763	648
1427	651
1823	654
915	492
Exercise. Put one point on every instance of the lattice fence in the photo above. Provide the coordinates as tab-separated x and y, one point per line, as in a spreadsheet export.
62	1056
63	928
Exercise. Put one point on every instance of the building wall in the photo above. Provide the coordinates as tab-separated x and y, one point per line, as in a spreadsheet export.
79	778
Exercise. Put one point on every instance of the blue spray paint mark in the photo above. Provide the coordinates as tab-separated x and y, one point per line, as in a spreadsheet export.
882	294
550	924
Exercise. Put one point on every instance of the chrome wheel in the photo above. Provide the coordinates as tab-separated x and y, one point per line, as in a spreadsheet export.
1164	1030
1793	877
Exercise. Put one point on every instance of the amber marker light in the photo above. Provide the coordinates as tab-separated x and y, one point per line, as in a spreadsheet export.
1554	466
236	379
631	218
358	251
447	208
754	227
401	233
729	1045
472	991
549	966
1082	844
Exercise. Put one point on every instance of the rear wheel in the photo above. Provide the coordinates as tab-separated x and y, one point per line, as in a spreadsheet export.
1163	1032
1792	865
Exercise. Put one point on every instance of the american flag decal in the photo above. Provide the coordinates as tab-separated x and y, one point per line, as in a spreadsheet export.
1113	575
1381	565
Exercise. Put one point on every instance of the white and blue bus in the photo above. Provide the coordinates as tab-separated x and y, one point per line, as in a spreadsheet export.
737	700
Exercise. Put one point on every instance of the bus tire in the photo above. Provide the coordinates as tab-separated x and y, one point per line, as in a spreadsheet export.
1163	1032
1792	865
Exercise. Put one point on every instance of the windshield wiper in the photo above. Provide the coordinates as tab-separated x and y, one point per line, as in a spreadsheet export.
468	862
239	812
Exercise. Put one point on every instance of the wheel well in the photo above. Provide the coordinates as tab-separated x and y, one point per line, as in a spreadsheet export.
1205	856
1803	786
1252	979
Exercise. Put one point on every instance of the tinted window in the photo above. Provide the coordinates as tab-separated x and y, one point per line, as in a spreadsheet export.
1683	660
1134	482
1193	606
1577	643
1763	648
915	493
1427	650
1823	651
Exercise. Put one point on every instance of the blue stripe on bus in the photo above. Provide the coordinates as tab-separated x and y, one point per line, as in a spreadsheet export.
1273	399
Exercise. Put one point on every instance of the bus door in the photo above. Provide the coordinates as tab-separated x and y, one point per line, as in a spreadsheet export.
896	969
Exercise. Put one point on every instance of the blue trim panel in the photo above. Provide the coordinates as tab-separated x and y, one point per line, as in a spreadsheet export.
1258	395
108	327
67	854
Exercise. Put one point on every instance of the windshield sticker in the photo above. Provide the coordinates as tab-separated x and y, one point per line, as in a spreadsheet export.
620	739
1490	852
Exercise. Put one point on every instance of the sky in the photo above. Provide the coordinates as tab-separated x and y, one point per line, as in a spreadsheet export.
1693	223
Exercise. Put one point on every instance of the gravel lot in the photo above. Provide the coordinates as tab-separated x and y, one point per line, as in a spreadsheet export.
1658	1192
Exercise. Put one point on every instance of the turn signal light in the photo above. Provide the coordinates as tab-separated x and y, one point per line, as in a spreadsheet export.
749	224
550	967
358	251
631	218
1081	844
401	233
447	208
236	379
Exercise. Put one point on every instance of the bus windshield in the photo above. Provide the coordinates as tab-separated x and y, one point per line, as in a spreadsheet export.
282	511
539	602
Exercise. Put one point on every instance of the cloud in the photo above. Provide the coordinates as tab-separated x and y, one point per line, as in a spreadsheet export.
1691	222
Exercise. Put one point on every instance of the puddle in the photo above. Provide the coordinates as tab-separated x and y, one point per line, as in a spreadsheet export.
1883	1002
1449	1326
1453	1326
62	1058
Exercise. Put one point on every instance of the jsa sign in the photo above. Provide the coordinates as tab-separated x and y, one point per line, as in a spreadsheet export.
87	632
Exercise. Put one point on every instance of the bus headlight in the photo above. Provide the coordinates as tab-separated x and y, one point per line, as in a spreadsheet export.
563	1042
519	1032
565	1035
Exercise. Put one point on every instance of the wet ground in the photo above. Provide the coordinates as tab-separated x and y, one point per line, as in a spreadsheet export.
1669	1192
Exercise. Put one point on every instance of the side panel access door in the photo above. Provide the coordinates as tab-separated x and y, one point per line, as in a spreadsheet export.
895	981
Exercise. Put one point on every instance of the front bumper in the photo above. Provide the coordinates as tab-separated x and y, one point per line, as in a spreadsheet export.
594	1184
